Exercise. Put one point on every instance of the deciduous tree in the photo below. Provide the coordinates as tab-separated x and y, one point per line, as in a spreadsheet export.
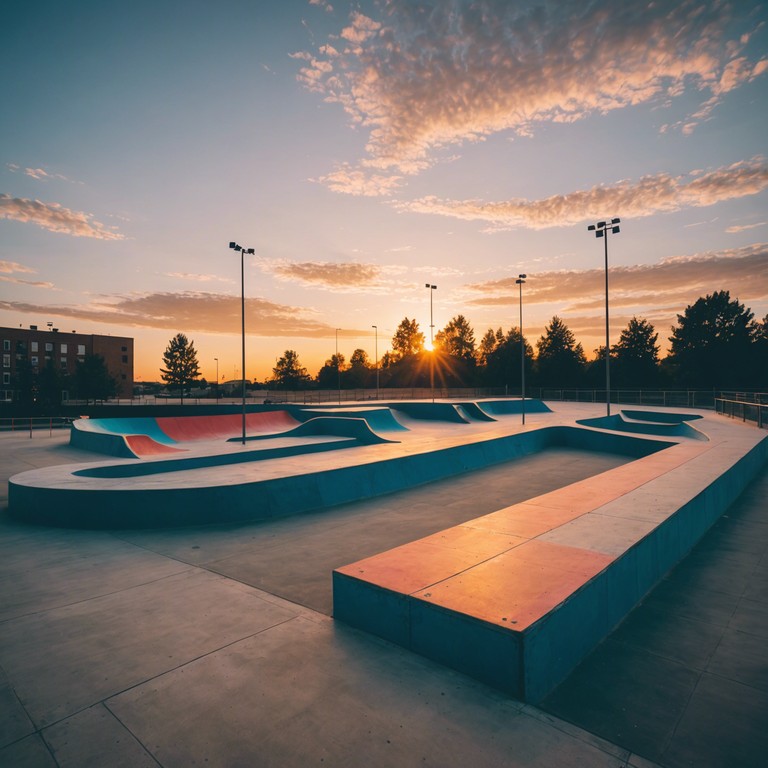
408	339
288	372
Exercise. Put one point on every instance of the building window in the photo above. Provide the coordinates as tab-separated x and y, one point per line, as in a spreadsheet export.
64	362
63	349
6	378
21	346
49	346
6	345
34	359
125	358
123	349
6	361
81	349
34	346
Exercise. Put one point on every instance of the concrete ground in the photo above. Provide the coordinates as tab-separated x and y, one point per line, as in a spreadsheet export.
214	646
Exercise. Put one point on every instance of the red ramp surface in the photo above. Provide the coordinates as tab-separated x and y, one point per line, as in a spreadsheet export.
144	445
190	428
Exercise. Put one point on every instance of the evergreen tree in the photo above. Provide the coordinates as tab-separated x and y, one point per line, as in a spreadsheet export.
712	342
181	366
502	363
561	361
288	372
92	379
635	357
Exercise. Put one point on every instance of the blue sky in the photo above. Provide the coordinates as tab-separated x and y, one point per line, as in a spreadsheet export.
365	149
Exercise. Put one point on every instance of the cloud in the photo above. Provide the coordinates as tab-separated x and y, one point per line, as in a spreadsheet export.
742	227
657	193
197	278
325	274
675	281
360	182
10	268
54	217
324	4
191	311
39	174
424	76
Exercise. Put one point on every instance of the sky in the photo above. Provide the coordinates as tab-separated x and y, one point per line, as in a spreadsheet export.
366	150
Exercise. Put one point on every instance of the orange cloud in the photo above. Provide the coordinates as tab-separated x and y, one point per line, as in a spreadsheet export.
54	217
659	193
205	312
425	77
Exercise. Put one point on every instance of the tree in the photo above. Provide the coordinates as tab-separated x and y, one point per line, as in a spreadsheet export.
561	361
457	339
93	380
181	367
329	376
712	342
356	376
501	356
761	354
288	372
408	339
635	357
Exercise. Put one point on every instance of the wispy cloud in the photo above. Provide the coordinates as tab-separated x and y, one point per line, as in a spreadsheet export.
676	281
657	193
361	182
10	268
54	217
197	277
736	228
324	274
422	77
192	311
39	174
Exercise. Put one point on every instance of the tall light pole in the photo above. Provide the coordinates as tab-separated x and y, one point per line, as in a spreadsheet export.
217	379
376	351
521	282
243	252
602	229
338	370
431	288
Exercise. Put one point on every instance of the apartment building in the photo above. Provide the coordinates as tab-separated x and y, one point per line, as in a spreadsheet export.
39	346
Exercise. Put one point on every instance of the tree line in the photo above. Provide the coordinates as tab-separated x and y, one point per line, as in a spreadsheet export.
715	344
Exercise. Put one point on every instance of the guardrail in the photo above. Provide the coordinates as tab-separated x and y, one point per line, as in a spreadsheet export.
744	410
33	424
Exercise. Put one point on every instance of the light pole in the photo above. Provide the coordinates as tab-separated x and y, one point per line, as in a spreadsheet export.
376	352
521	282
602	229
338	370
243	251
431	342
217	379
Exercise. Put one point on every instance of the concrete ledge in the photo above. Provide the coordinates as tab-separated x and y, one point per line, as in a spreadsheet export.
518	597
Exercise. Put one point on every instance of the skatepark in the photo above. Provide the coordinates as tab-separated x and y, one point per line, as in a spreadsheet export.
402	584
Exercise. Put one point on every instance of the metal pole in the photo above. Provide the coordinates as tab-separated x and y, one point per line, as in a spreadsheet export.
376	352
522	356
607	337
242	312
338	371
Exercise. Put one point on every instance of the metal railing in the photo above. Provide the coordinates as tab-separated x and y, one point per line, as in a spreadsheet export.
32	424
745	410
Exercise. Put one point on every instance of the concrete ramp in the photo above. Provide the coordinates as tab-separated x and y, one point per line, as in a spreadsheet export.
617	423
221	427
431	412
332	426
510	407
380	419
144	445
660	417
472	412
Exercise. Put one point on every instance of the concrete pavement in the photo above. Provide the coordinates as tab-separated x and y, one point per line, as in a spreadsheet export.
213	646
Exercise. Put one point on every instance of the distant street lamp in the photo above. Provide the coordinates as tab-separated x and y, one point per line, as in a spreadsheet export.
243	251
431	342
521	282
376	349
603	229
338	370
217	378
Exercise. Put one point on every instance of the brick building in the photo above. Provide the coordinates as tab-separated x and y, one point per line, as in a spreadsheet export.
63	349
